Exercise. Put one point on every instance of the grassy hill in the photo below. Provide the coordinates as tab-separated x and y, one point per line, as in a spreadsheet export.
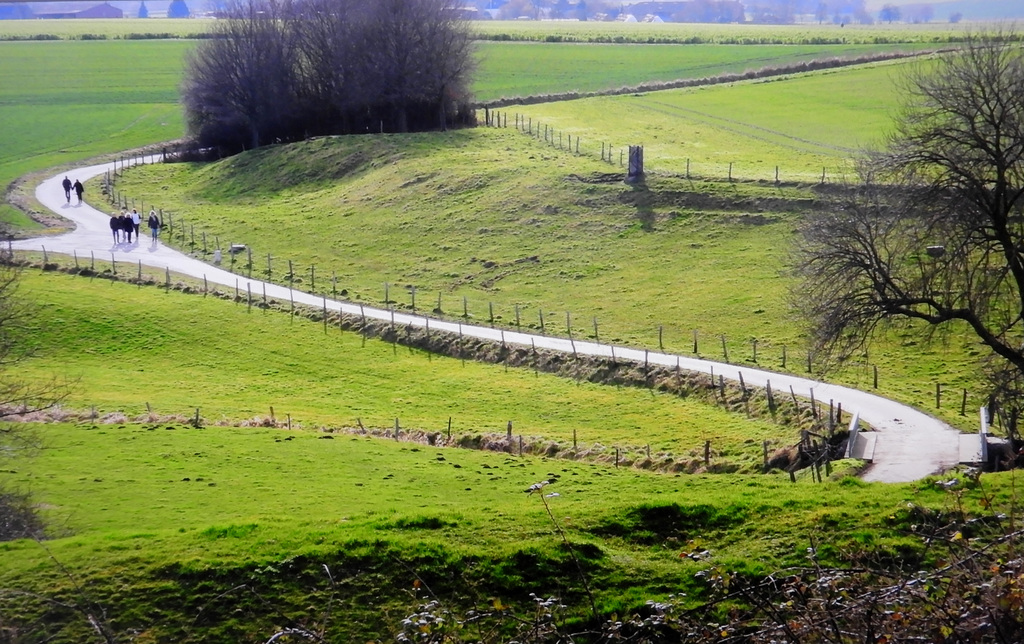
171	533
497	220
73	98
173	530
127	348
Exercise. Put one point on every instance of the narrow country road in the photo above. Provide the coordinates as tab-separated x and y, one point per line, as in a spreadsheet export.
909	445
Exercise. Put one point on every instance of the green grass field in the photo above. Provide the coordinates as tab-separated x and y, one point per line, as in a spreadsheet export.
671	257
74	99
210	509
175	533
66	101
132	346
802	124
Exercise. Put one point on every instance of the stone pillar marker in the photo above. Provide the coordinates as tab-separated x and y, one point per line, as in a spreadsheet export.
635	174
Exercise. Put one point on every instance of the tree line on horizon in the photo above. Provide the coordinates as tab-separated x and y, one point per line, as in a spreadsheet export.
286	70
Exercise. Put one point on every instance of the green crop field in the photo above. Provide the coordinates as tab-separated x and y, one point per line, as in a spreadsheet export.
70	100
536	31
686	33
510	69
105	29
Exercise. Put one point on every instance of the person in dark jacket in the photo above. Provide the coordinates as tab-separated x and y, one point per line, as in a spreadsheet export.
79	189
115	227
126	225
67	188
154	225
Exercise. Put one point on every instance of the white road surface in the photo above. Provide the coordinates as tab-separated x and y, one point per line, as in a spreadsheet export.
909	445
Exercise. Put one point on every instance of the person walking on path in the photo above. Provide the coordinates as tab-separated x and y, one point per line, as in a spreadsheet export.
115	227
67	188
154	225
79	189
125	223
136	220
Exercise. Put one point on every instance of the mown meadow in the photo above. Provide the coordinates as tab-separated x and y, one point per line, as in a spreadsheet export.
220	533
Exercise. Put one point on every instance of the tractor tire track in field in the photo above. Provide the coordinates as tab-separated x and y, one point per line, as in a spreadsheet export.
717	121
910	444
658	86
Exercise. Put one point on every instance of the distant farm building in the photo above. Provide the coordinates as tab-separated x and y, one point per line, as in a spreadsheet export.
64	10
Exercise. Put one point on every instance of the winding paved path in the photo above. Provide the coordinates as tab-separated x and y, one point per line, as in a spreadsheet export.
909	445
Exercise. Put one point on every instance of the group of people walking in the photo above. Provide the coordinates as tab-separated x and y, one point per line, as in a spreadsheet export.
124	225
76	186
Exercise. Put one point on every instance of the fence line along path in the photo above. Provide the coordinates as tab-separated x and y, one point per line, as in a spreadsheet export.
910	444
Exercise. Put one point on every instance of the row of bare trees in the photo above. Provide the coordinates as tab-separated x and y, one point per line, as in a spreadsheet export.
284	70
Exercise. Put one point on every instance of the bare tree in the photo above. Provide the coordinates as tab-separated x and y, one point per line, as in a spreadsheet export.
243	79
935	234
327	63
890	13
289	69
448	46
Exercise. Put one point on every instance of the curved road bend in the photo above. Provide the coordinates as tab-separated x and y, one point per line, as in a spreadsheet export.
909	444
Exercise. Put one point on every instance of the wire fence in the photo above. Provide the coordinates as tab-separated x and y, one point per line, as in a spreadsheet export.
817	444
240	258
617	156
